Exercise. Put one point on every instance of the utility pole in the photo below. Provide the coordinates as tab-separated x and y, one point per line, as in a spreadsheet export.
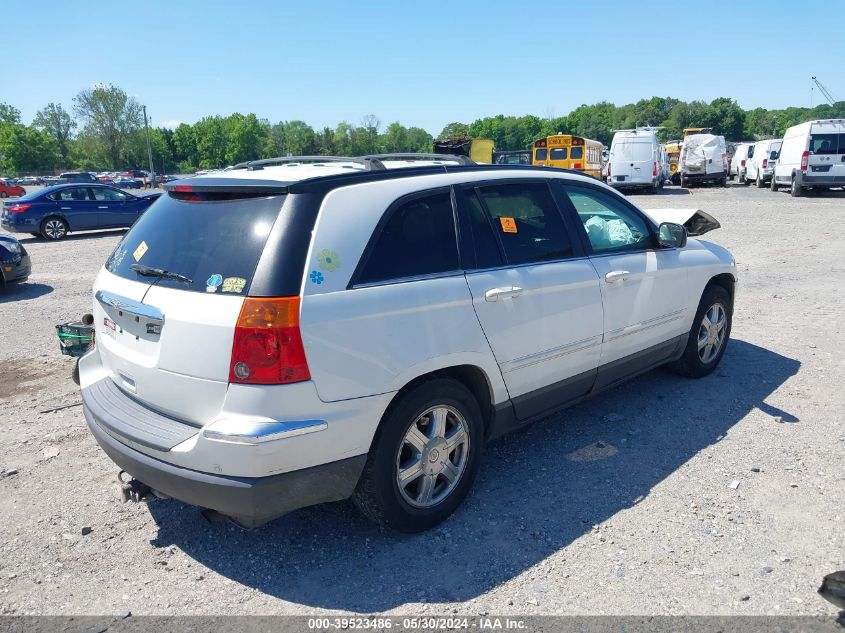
149	149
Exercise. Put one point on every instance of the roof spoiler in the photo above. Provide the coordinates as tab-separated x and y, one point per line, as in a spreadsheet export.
695	221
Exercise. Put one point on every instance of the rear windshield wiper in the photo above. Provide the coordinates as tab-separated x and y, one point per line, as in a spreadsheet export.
158	272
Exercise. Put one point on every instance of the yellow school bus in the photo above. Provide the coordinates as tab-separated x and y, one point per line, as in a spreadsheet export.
569	152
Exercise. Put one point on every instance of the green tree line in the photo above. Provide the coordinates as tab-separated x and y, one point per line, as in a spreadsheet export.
104	130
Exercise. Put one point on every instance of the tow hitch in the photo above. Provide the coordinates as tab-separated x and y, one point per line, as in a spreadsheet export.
133	490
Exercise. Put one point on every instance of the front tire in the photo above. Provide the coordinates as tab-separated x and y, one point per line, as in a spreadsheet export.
54	228
709	334
424	457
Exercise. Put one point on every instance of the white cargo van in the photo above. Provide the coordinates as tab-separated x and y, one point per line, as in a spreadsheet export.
738	162
760	164
637	160
704	158
812	156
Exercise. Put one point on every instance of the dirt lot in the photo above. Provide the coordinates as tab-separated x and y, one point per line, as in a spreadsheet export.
626	504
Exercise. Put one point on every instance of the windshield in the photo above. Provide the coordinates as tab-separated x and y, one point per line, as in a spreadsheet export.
216	244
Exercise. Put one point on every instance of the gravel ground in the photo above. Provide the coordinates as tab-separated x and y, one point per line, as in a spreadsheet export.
665	496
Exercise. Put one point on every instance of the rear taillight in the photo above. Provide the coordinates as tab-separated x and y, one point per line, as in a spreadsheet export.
576	166
268	349
765	163
19	208
654	173
742	163
805	157
608	170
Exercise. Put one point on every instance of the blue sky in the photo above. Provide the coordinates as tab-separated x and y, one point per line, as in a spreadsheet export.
422	63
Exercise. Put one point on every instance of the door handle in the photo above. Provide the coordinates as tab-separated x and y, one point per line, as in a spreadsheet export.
616	275
494	294
65	208
102	207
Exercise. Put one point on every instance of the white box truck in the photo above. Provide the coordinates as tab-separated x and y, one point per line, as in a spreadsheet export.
812	156
636	160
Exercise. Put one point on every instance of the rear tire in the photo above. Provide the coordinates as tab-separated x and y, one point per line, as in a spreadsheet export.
707	339
54	228
435	460
759	182
795	190
774	184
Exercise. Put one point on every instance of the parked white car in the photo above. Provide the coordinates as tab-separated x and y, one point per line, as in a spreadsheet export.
281	335
762	157
636	160
812	156
704	158
737	169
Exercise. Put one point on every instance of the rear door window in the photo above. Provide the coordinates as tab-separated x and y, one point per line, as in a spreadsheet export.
417	239
215	243
541	154
527	222
576	153
558	153
71	194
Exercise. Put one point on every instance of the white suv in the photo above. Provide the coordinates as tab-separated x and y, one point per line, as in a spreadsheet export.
294	332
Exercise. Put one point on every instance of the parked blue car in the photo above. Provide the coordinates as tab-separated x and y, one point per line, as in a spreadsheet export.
56	211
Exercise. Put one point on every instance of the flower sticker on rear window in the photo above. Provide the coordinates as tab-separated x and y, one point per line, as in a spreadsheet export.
213	283
316	277
328	260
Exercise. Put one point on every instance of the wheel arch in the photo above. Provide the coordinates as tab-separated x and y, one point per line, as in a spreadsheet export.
723	280
473	377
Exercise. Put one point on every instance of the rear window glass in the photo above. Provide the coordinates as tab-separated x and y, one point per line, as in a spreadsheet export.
214	244
631	151
541	154
824	143
576	152
559	153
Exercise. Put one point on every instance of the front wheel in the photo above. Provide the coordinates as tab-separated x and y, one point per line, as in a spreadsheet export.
54	228
424	457
709	334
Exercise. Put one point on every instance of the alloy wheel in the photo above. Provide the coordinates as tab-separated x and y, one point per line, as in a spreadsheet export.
432	456
54	229
711	333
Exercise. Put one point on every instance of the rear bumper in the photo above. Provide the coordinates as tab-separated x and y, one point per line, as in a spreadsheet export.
632	184
711	177
821	179
250	500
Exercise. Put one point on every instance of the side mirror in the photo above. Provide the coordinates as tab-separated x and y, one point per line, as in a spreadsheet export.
671	235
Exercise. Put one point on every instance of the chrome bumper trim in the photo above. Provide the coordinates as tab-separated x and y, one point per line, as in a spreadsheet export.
257	432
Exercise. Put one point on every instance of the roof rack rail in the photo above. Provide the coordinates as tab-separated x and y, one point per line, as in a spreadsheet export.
455	158
370	163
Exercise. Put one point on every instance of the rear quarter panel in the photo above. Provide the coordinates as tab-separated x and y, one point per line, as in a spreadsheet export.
376	339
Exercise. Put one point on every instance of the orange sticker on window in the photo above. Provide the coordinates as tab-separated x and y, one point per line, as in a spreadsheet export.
508	225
